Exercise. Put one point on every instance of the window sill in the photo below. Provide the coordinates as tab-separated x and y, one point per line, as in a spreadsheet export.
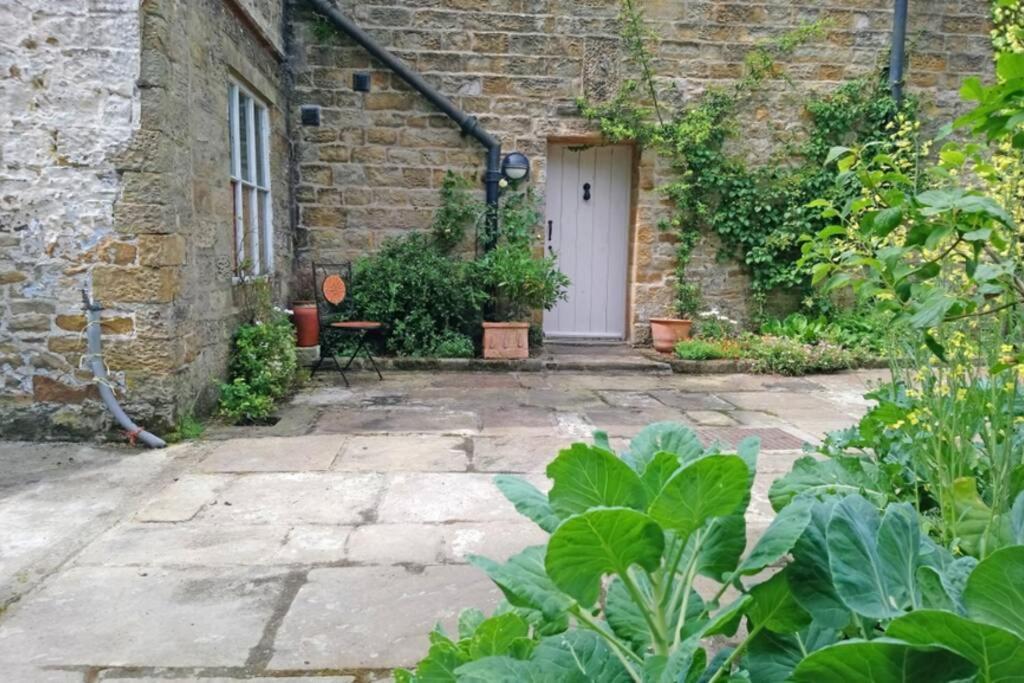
237	280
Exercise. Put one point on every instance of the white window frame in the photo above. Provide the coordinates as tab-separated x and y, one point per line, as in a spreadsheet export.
255	190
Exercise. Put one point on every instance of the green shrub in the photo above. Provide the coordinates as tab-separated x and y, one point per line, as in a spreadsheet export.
519	281
785	356
700	349
453	345
419	293
262	369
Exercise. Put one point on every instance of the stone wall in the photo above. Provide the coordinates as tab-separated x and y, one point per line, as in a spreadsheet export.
373	168
69	104
114	175
179	196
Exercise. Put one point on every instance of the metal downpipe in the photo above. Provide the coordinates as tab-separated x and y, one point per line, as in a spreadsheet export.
99	371
468	124
897	52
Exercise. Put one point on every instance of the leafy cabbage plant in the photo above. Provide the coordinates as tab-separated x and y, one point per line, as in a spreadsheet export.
845	590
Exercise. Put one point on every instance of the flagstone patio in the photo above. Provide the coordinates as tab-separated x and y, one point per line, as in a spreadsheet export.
326	546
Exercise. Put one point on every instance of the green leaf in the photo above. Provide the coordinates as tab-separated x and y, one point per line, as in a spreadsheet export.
881	661
933	593
780	536
835	153
810	577
887	220
899	544
713	486
528	500
774	607
1017	519
719	545
932	310
469	622
771	657
1010	66
972	89
525	582
998	654
602	541
667	437
498	670
626	618
995	590
439	666
859	571
496	635
727	620
578	657
834	476
658	471
978	529
587	476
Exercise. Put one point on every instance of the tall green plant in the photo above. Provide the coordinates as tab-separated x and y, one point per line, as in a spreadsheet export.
612	594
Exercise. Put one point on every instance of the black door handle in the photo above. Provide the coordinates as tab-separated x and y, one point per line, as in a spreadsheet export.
550	228
586	192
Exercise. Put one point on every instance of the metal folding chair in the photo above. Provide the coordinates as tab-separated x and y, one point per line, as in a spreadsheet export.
330	285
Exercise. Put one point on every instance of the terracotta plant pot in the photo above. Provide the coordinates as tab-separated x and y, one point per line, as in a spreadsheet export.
307	324
506	340
667	332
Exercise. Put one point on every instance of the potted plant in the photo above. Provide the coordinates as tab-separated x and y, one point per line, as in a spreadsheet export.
667	332
519	283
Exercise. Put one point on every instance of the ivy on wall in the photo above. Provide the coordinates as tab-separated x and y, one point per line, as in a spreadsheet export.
758	211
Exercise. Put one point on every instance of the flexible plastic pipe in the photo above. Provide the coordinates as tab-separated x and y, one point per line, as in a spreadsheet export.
99	371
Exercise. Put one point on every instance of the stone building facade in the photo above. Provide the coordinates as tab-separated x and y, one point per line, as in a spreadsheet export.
115	176
374	168
116	166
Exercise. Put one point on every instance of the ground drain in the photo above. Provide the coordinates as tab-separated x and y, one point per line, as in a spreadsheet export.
772	439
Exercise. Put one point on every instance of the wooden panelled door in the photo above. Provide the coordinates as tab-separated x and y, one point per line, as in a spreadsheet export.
588	198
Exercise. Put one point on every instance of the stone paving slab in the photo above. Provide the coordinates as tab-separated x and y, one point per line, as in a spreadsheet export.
182	500
404	452
361	420
299	497
374	617
274	454
120	616
515	453
433	497
186	544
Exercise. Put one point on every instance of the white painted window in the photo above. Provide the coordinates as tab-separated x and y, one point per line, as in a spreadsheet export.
250	183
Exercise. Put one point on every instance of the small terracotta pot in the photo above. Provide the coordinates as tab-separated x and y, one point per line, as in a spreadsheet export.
307	324
667	332
506	340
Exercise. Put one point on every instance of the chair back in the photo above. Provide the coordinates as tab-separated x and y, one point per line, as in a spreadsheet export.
330	285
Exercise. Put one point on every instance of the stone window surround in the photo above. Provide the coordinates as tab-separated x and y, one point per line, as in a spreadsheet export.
253	186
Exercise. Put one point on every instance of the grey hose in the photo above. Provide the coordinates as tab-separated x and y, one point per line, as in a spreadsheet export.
99	371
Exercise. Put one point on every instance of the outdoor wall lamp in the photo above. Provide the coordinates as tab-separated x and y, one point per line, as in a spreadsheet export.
515	166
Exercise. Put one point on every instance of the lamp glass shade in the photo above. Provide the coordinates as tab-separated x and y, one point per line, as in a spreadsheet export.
515	166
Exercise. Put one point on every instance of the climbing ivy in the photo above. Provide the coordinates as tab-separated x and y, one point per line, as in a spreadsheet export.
757	210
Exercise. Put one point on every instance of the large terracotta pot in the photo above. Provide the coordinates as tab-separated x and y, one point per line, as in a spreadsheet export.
506	340
307	324
667	332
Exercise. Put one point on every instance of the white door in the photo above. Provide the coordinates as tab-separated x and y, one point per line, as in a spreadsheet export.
587	229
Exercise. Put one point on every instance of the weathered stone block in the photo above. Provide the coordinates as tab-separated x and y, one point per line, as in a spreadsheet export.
47	390
76	323
136	285
161	250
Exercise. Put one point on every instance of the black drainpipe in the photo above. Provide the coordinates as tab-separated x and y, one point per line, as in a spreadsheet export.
897	51
468	124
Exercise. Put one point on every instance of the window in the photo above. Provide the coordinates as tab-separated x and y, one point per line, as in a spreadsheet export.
250	183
